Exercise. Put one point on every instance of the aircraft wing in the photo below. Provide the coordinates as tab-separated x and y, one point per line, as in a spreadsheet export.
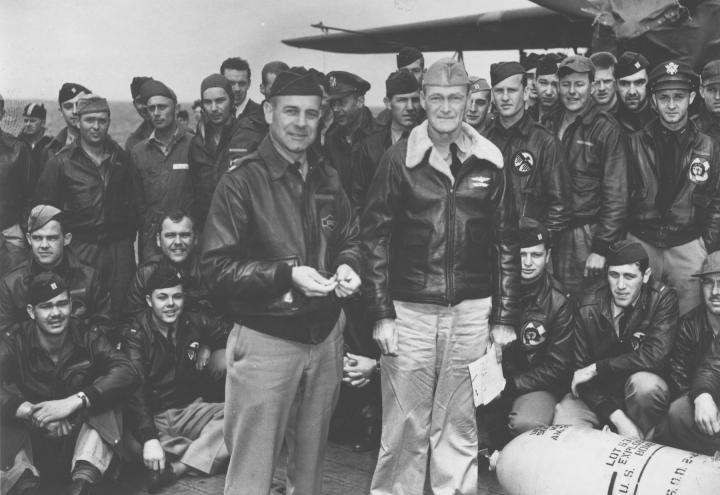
530	28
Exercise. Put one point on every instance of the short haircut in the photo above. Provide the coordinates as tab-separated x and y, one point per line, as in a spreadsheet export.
175	215
235	63
603	60
275	67
643	265
183	114
197	104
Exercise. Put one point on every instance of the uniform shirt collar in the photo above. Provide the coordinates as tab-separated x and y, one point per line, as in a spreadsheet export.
469	143
241	107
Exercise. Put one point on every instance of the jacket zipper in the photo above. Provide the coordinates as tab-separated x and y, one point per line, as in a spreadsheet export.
450	245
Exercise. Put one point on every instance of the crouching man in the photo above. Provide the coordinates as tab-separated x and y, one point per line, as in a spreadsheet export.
625	330
61	383
694	419
167	414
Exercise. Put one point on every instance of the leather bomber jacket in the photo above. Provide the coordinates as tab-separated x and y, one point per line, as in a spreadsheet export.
695	210
694	339
264	219
535	162
88	363
540	358
168	372
707	376
428	240
645	345
596	156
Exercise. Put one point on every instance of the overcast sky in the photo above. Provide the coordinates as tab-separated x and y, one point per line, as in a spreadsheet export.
104	43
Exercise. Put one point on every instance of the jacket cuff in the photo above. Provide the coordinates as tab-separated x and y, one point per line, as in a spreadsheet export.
283	277
93	395
694	393
602	367
600	247
11	406
146	433
350	261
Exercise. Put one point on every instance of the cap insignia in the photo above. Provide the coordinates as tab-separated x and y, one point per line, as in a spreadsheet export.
671	68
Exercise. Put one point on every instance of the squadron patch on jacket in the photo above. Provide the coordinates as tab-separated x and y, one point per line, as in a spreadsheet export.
523	163
533	334
328	222
636	340
698	172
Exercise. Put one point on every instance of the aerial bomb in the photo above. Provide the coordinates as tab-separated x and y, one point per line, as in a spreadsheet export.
558	460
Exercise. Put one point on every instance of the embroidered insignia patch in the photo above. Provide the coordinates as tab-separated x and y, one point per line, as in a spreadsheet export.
192	351
698	172
533	334
332	82
523	163
671	68
328	222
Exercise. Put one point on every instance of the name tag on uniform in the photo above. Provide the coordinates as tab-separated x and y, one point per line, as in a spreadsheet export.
237	150
585	143
181	166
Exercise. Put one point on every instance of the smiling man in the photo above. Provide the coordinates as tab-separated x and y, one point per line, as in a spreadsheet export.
694	419
439	235
48	238
624	334
63	385
280	248
532	154
596	156
94	182
675	170
163	164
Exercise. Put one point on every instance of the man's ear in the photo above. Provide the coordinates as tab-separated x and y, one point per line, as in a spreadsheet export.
646	275
361	100
30	312
148	300
692	96
386	100
268	111
67	239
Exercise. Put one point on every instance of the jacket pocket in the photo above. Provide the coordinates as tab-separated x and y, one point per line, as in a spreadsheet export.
411	259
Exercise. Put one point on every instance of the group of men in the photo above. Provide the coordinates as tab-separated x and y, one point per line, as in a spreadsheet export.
290	246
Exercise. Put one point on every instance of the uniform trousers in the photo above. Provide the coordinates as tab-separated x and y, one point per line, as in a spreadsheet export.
427	400
277	390
194	435
115	260
646	401
675	267
680	430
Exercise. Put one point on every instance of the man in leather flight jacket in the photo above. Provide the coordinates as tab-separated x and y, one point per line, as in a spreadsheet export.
439	237
533	156
624	335
675	174
63	385
280	246
693	421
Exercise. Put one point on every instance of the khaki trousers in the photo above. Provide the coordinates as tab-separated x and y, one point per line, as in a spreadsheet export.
428	409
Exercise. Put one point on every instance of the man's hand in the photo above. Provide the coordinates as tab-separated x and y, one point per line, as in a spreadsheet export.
55	410
154	455
624	425
308	281
583	375
348	282
707	417
202	358
594	265
358	370
26	410
60	428
386	336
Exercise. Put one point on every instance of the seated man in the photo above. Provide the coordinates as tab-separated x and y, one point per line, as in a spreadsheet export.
60	385
625	331
693	420
48	238
536	364
167	413
177	240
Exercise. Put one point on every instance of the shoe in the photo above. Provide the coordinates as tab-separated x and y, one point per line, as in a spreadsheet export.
369	440
157	480
27	484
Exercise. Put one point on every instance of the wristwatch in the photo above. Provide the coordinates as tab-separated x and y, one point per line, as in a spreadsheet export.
84	399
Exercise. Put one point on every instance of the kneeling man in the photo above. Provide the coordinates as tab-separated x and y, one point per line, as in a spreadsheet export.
624	336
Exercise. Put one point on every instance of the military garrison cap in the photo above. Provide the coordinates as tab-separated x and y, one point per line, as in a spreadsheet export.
578	64
44	286
630	63
400	82
408	55
478	84
68	91
297	81
93	104
532	233
340	84
502	70
40	215
711	73
446	72
625	252
36	110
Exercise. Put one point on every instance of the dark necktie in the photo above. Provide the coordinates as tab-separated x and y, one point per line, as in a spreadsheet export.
404	135
456	163
625	320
